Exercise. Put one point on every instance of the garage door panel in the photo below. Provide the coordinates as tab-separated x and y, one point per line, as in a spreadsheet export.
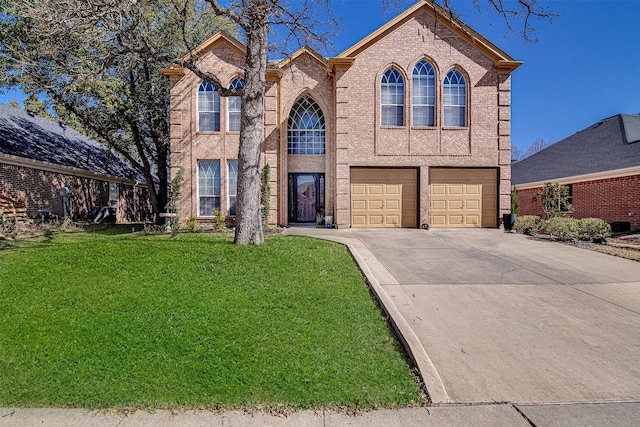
358	220
463	197
393	190
358	205
392	205
473	205
455	189
438	205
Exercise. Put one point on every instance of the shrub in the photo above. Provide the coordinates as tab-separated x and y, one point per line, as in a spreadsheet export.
594	229
528	224
515	201
192	224
265	194
554	199
562	228
219	221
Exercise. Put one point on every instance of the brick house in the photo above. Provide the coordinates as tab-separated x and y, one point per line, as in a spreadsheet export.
601	166
39	157
409	127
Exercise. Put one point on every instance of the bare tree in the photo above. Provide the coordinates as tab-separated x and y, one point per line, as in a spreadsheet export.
517	153
258	22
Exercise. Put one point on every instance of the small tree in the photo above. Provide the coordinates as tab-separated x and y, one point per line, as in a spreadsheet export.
515	202
265	193
554	199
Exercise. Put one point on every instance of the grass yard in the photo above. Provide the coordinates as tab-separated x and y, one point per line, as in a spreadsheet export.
191	320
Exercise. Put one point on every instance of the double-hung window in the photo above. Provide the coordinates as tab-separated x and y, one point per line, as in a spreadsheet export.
455	99
208	187
208	108
424	94
233	107
392	98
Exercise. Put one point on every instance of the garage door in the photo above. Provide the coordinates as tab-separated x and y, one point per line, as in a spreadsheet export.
384	197
463	198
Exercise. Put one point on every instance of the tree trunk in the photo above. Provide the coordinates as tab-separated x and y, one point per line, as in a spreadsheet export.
249	224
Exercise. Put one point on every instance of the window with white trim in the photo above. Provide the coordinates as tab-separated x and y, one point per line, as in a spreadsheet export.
233	106
424	94
392	98
208	187
306	128
232	185
455	100
208	108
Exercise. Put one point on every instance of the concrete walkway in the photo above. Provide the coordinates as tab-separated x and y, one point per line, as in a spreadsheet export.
497	317
505	330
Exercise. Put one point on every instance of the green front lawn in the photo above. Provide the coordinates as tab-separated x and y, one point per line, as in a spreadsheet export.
191	320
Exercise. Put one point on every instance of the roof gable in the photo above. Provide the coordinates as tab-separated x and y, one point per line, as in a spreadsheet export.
35	138
303	51
604	146
502	61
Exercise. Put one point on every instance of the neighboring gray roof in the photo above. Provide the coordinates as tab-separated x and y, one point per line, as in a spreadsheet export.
608	145
36	138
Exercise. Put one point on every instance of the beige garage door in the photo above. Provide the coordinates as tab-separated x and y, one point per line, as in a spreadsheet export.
463	198
384	197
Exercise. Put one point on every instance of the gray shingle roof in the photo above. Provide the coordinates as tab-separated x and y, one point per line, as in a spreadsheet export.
608	145
36	138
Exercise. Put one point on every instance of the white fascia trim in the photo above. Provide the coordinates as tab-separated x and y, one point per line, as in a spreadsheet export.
66	170
618	173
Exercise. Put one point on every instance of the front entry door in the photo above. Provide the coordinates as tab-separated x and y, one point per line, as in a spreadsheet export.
306	196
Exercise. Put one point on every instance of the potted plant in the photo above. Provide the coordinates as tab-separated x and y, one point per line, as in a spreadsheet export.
319	218
509	220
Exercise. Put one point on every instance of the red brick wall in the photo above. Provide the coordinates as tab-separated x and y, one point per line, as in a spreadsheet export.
610	199
43	188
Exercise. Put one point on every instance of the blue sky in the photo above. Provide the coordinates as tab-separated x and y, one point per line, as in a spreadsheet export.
585	66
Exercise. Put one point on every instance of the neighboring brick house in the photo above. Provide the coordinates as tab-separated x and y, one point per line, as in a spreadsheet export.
38	157
601	166
408	127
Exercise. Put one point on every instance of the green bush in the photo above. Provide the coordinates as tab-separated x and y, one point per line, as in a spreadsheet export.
528	224
562	228
192	224
219	221
593	229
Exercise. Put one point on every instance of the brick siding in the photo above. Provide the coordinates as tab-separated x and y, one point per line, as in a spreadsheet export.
610	199
349	98
43	188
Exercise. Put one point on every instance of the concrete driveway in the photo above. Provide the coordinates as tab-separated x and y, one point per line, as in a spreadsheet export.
504	318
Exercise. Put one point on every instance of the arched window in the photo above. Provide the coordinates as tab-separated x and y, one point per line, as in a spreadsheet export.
208	108
424	94
233	106
455	99
392	98
305	133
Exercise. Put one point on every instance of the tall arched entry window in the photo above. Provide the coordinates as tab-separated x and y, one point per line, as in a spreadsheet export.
306	136
305	128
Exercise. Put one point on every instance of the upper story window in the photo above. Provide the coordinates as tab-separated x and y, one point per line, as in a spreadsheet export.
424	94
233	106
208	108
455	99
305	129
392	98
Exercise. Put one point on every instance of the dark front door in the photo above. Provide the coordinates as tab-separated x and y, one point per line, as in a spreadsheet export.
306	196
